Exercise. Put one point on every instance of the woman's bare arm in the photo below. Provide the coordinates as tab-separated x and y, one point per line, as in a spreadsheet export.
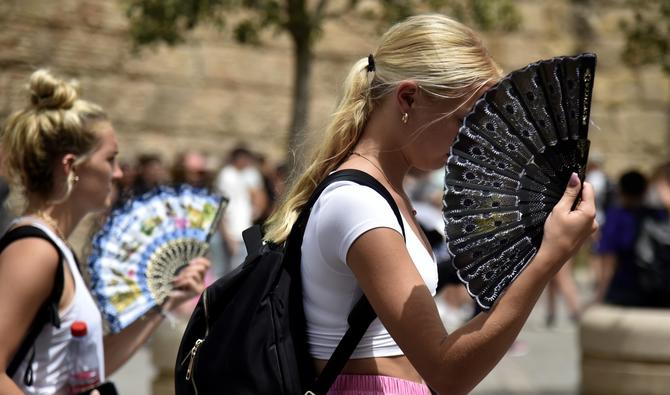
456	363
27	272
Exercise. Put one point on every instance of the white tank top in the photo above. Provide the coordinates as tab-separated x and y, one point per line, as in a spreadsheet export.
50	366
344	211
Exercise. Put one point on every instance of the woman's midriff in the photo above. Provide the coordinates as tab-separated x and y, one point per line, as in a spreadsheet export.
399	367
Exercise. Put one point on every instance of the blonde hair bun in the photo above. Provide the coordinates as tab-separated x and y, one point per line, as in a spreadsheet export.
51	93
53	123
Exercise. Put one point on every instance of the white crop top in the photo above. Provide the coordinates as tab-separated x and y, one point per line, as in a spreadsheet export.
344	211
50	366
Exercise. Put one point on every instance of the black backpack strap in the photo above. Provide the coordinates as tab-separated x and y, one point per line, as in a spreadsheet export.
362	314
48	312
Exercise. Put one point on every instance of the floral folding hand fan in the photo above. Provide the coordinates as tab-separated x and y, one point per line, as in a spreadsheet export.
144	244
509	166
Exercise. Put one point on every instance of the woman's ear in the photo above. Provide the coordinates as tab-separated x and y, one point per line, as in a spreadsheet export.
406	94
68	162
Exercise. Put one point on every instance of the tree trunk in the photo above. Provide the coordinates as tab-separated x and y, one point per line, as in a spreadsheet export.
301	96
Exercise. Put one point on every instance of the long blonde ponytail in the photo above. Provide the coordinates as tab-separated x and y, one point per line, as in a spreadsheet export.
444	57
342	133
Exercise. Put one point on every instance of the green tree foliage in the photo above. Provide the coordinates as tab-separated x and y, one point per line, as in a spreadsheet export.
648	34
168	21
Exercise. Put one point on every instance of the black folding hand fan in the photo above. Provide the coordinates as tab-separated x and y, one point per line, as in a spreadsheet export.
509	166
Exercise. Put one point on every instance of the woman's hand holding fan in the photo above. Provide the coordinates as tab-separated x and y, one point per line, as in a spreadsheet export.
565	229
146	253
188	283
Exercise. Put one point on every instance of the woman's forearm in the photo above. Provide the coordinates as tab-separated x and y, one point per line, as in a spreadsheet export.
119	347
473	350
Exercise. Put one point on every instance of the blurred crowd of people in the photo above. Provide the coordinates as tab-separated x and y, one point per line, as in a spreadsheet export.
249	181
253	185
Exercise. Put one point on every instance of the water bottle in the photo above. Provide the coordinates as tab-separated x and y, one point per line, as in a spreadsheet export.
84	365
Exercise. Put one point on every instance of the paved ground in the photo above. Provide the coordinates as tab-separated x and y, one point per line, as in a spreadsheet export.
549	365
543	362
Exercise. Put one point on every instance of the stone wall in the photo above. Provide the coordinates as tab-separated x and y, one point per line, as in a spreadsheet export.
210	93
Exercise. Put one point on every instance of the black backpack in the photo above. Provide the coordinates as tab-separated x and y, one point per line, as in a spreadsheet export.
247	332
652	259
48	312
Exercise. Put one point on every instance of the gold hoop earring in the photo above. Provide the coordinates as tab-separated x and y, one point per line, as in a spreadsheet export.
405	117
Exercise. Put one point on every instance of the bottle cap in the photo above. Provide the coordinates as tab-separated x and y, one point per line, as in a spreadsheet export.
78	329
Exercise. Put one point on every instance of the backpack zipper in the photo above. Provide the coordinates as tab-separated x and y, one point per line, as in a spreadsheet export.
194	351
204	303
192	355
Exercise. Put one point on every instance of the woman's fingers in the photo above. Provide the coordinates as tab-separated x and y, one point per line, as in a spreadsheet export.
570	194
201	262
190	281
588	203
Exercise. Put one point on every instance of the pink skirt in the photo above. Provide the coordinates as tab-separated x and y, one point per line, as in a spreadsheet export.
354	384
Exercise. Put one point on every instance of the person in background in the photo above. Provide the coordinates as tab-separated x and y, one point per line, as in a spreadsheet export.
61	151
280	181
267	197
190	167
241	182
617	243
425	190
605	192
658	194
563	284
150	173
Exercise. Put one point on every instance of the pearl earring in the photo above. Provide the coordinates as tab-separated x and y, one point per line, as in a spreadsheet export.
405	117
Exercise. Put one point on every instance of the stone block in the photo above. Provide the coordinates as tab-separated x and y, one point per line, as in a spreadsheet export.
207	108
533	18
643	126
104	15
633	334
239	65
164	63
56	13
265	114
27	44
607	21
127	99
346	37
610	52
654	85
328	77
86	51
616	87
517	50
625	351
605	377
13	92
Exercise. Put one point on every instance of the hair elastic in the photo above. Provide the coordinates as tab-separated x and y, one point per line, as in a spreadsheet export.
371	63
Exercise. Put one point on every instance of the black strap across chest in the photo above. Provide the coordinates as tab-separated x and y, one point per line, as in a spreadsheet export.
362	314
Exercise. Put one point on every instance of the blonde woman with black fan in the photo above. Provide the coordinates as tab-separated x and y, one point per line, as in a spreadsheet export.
401	108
